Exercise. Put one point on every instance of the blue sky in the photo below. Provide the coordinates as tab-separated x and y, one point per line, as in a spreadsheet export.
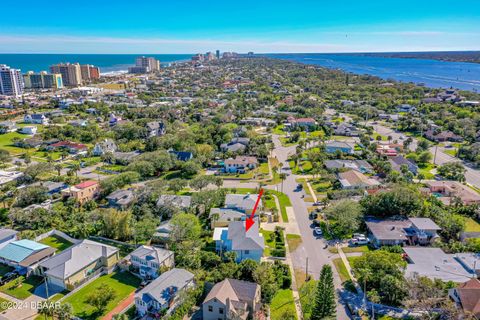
184	26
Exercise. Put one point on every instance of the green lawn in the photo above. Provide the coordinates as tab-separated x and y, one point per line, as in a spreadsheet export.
341	269
123	283
57	242
425	170
307	297
284	202
6	142
3	304
471	225
356	249
23	291
269	244
282	305
272	242
279	130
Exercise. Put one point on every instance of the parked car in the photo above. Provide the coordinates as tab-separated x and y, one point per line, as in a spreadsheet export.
9	277
318	203
313	215
299	186
318	231
359	241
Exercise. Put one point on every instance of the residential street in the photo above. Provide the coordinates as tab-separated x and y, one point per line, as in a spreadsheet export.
312	247
472	175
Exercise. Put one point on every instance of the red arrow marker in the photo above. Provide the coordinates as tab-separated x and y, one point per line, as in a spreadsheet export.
249	222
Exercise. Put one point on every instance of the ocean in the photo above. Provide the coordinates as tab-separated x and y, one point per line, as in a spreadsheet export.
432	73
107	62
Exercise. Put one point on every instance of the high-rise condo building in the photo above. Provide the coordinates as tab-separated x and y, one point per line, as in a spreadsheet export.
11	82
42	80
146	64
89	72
71	73
217	53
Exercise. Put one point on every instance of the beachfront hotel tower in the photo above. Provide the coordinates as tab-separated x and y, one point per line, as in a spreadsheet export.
11	82
145	65
42	80
71	73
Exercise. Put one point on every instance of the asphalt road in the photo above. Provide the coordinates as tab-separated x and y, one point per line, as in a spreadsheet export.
312	247
472	175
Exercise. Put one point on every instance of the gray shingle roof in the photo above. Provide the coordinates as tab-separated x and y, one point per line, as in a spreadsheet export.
152	253
174	200
166	286
76	258
241	240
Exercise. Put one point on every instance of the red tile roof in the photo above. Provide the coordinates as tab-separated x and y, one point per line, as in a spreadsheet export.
86	184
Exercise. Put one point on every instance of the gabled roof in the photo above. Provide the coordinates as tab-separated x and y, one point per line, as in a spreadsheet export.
166	286
469	294
75	258
233	290
424	224
174	200
152	253
245	240
241	201
86	184
6	233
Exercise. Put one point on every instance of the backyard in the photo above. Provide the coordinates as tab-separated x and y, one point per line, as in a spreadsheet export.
283	305
21	288
56	242
123	284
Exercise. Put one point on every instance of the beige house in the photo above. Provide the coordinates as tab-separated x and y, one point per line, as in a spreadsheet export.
232	299
77	264
83	192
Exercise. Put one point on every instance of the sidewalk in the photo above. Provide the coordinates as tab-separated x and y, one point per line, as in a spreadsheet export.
122	306
349	270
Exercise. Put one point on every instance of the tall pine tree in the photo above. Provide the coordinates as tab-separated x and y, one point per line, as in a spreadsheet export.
324	306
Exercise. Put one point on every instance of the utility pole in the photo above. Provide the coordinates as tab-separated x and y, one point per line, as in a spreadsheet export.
306	270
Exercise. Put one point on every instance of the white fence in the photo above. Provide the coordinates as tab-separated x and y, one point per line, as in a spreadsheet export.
58	234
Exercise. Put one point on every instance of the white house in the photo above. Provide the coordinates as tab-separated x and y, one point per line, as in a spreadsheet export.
36	118
148	260
29	130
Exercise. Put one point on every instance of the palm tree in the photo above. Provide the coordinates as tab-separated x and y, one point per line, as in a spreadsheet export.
76	168
58	167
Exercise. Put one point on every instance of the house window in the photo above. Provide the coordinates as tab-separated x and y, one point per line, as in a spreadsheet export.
220	310
247	251
210	308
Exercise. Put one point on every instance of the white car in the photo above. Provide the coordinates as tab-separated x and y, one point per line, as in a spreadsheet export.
359	241
318	231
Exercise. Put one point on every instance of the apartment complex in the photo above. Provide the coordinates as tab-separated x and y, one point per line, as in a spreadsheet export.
42	80
74	74
71	73
89	72
145	65
11	82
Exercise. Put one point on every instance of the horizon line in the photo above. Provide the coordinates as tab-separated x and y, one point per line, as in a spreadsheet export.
244	53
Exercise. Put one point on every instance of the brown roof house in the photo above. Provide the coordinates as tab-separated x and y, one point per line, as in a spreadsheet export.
467	296
353	180
446	191
232	299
